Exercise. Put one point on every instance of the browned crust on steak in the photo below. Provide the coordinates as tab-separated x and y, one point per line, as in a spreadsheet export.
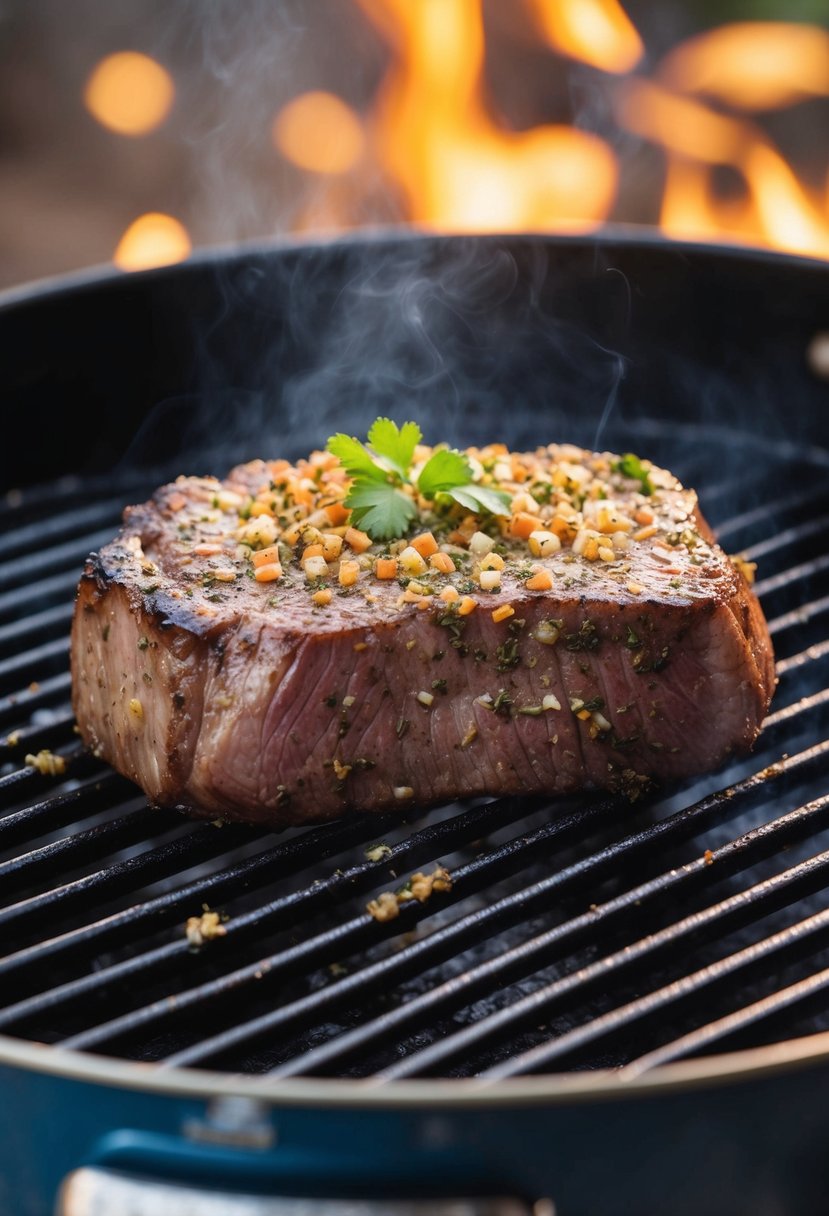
242	708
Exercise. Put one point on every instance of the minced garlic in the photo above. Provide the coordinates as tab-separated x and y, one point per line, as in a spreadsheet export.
46	762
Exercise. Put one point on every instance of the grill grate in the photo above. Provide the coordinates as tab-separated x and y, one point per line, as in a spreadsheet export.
582	934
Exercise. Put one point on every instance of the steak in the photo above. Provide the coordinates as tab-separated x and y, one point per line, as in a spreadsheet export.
241	651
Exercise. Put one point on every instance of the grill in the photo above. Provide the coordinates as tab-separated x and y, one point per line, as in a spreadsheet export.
589	934
579	935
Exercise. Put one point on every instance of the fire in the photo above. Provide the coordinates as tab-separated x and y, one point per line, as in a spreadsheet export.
152	240
434	134
129	93
776	211
459	169
760	65
597	32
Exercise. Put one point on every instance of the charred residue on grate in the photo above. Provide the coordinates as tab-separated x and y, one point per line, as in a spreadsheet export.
585	934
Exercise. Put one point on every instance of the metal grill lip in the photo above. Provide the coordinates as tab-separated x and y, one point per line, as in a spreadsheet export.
596	1086
629	236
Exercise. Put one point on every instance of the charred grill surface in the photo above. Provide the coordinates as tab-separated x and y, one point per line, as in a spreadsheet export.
601	934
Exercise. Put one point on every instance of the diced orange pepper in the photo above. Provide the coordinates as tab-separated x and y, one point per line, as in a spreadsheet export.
312	551
322	597
467	605
449	595
349	573
386	567
264	557
269	572
358	541
523	524
542	581
442	562
502	613
337	513
425	544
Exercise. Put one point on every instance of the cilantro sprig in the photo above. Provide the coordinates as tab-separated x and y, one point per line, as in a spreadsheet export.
380	468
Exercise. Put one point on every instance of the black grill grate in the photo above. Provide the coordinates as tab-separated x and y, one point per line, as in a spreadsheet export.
582	934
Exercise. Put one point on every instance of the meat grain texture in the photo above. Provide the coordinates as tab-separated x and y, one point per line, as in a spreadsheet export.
230	697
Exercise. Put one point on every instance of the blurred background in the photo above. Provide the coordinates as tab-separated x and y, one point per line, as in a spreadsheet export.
136	131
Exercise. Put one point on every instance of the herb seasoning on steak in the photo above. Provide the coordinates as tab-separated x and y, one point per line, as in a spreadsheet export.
243	650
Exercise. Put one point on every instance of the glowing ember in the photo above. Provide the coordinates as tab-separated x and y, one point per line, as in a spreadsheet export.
597	32
152	240
319	132
458	168
129	93
753	65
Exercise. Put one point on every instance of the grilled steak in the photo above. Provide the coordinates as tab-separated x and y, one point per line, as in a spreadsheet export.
240	650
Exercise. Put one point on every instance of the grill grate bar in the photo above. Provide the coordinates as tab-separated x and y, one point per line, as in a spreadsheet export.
467	879
25	569
78	762
812	654
793	574
798	616
787	538
732	1024
493	974
432	840
346	938
135	822
805	705
767	511
58	730
180	853
287	858
748	904
61	809
32	660
786	940
27	700
61	585
56	617
34	535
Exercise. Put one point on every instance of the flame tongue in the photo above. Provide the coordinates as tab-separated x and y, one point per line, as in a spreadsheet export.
460	170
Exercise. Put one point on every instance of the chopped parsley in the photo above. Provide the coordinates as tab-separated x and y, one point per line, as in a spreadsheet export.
381	469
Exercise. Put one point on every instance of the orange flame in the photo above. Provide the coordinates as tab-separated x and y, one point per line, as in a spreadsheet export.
152	240
597	32
760	65
458	168
778	212
129	93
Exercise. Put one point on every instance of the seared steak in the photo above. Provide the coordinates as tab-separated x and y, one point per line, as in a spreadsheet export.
241	651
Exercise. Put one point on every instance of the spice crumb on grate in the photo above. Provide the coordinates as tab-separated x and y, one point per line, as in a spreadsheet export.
204	928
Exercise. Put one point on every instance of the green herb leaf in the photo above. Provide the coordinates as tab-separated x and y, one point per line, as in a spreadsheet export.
380	510
631	466
444	470
481	498
396	444
355	457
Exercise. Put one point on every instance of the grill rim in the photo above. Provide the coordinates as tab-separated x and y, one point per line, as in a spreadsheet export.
594	1086
609	237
